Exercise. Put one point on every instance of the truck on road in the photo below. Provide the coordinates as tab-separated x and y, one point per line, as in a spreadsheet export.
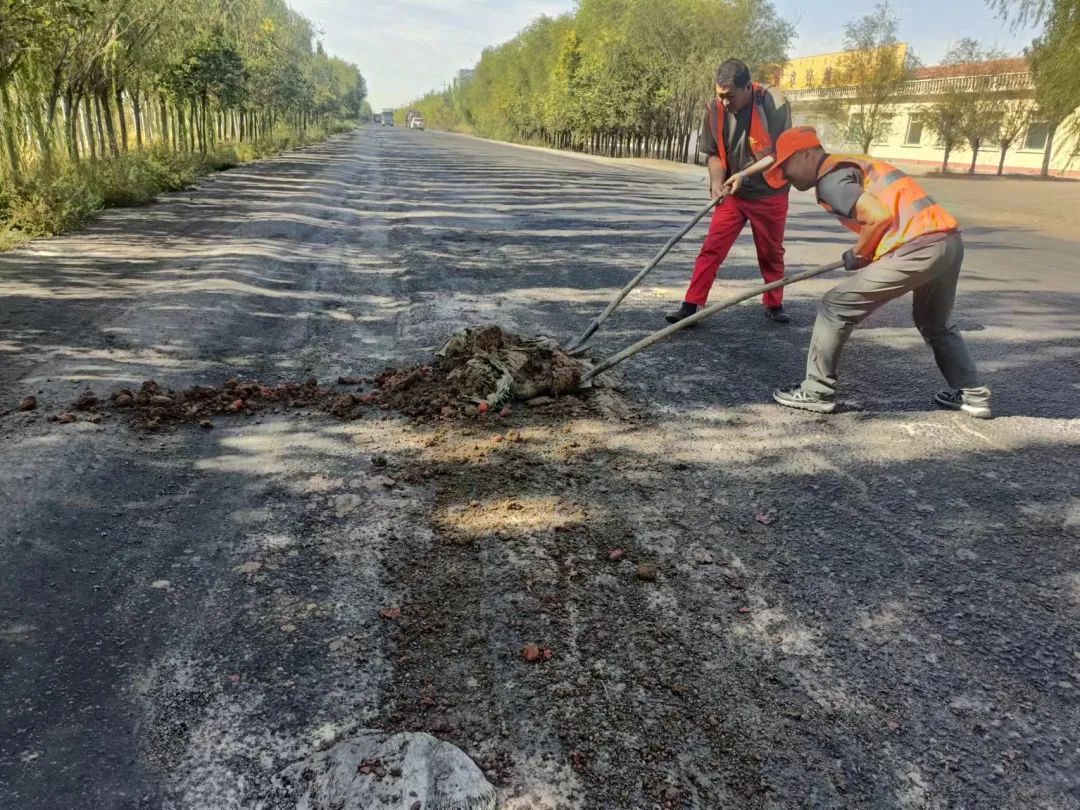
388	117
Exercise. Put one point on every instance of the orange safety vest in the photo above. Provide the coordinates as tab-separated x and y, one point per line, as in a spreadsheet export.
760	141
915	213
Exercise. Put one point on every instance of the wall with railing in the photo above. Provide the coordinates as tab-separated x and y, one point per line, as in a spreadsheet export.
909	140
1001	82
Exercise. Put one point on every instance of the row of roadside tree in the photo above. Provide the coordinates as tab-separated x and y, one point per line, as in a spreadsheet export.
631	77
617	77
153	87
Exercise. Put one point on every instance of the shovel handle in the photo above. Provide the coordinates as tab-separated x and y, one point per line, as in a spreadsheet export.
655	337
625	291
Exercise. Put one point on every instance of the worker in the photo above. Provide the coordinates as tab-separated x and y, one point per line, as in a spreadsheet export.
907	243
738	134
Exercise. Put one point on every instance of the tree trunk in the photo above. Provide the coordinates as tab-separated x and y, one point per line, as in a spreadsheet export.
1001	158
974	157
193	126
1049	149
37	124
163	123
945	160
179	132
100	123
70	131
6	121
88	123
110	126
136	112
122	118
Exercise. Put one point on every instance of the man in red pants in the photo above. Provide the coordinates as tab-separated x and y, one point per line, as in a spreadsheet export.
739	135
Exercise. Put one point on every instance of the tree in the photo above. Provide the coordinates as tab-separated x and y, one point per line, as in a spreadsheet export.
618	77
944	119
1014	119
1054	67
979	105
873	71
970	108
1054	62
175	74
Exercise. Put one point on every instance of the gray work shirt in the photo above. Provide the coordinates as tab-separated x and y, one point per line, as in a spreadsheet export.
736	137
840	189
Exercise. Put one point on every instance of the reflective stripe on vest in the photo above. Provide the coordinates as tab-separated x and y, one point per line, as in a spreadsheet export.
915	213
760	141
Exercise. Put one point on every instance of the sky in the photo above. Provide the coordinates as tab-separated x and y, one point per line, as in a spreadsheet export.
406	47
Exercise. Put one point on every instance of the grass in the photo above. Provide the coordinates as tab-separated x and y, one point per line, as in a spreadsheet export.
56	200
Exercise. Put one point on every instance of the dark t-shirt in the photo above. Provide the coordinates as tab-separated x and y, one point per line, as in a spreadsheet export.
736	132
840	189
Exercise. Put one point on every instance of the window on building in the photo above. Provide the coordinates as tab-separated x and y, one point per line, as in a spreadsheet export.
914	131
1037	136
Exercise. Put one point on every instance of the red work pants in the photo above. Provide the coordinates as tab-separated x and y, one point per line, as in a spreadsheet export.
767	216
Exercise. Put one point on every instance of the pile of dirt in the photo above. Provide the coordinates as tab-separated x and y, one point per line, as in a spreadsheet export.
152	406
478	370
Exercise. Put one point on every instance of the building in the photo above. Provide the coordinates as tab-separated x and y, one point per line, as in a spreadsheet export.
807	72
807	84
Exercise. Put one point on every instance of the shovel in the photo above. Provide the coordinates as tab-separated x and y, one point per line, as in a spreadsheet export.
578	346
655	337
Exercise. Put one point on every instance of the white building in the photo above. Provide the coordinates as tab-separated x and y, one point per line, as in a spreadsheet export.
911	141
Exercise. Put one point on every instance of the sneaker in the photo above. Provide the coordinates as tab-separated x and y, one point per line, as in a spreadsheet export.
972	401
684	311
777	314
798	397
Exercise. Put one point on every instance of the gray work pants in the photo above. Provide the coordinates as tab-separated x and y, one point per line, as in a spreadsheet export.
929	267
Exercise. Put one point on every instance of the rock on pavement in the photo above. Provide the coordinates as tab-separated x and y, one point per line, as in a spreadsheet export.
377	769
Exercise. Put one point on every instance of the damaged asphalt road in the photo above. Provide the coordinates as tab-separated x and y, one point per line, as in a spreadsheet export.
669	593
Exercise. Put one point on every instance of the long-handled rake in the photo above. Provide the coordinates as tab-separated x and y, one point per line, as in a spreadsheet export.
578	346
655	337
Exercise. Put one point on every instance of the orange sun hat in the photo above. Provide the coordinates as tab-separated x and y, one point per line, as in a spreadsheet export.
790	141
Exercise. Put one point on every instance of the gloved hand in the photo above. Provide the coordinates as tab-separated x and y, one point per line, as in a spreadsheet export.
853	261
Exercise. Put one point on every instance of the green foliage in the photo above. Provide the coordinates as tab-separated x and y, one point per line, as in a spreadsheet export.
974	115
873	72
1055	62
615	76
50	203
130	97
58	199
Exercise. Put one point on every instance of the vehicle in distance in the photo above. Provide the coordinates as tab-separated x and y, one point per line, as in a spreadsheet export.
414	120
388	117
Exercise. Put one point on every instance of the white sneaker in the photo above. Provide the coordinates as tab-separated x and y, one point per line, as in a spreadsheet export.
798	397
972	401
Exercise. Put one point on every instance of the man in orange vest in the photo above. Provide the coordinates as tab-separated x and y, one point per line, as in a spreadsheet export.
907	243
739	132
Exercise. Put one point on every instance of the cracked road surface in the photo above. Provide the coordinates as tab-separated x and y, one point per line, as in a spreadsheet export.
878	609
